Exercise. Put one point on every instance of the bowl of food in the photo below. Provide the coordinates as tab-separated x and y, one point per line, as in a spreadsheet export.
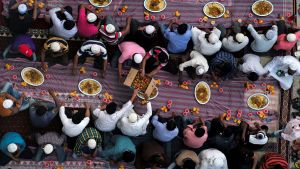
202	92
262	8
155	5
141	82
214	9
153	94
89	87
258	101
32	76
100	3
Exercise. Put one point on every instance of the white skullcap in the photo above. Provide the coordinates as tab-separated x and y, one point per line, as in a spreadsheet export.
291	37
12	148
213	38
270	34
200	70
218	162
110	28
48	149
96	49
55	47
137	58
293	67
132	117
240	37
22	9
150	29
91	17
92	143
8	103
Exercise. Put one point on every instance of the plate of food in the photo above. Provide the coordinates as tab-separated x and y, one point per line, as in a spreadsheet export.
100	3
153	94
89	87
262	8
258	101
214	9
32	76
141	82
155	5
202	92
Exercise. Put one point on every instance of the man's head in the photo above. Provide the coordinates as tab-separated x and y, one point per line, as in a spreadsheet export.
292	69
163	57
291	37
199	132
149	29
48	149
8	103
22	9
91	143
55	47
182	28
68	24
239	37
213	38
12	148
138	58
217	125
278	167
41	110
25	50
133	117
270	34
253	76
188	164
91	18
157	159
110	28
111	108
265	128
171	125
77	118
128	156
222	69
96	49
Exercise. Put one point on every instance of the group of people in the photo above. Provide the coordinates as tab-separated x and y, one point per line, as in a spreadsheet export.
149	46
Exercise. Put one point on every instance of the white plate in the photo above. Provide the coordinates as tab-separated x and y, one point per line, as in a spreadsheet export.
256	94
99	6
142	97
87	93
146	7
209	93
28	82
206	6
254	4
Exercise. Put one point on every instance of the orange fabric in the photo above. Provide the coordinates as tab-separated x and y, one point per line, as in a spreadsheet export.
4	112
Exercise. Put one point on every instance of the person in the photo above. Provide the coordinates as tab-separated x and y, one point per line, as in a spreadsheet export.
272	160
150	154
21	44
178	38
242	158
206	43
212	159
106	119
87	22
196	65
62	22
41	113
291	131
283	68
110	32
254	138
12	101
130	51
154	60
20	18
252	66
87	143
91	48
13	147
263	42
48	143
54	51
217	126
132	124
223	66
185	159
73	127
235	43
122	148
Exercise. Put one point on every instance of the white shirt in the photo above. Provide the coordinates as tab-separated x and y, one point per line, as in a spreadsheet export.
252	64
232	46
283	63
139	127
196	60
202	45
208	158
107	122
58	29
69	128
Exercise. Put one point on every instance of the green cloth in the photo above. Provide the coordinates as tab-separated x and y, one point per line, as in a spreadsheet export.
87	133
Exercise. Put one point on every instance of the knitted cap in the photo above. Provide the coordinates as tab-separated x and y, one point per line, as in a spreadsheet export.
12	148
150	29
54	46
95	49
48	149
137	58
92	143
291	37
240	37
91	17
22	9
8	103
110	28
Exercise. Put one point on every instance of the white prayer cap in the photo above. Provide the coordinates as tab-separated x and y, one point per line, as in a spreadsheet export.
293	67
132	117
12	148
150	29
291	37
200	70
240	37
92	143
48	149
218	162
55	47
8	103
22	9
95	49
137	58
91	17
213	38
110	28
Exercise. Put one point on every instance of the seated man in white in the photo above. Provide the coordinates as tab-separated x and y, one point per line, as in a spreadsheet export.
283	68
235	43
252	66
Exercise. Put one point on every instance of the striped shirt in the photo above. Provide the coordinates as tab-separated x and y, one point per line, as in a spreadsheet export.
63	44
88	133
112	38
271	159
86	48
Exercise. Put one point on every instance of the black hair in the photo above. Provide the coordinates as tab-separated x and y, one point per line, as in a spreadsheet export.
77	118
223	69
171	125
253	76
41	110
217	126
199	132
189	164
156	159
163	57
68	24
111	108
182	28
228	132
128	156
264	127
278	166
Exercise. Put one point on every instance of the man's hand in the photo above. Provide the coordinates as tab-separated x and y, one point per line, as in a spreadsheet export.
87	105
180	81
51	92
146	97
103	74
44	67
